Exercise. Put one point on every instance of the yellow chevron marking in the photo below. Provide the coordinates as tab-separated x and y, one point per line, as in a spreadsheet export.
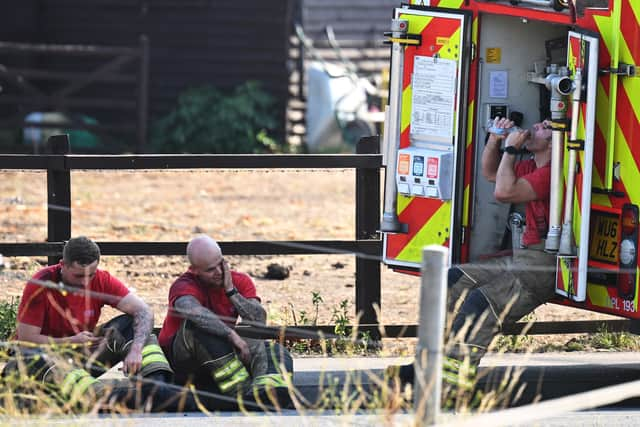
598	295
472	108
602	121
428	234
577	213
403	202
632	87
609	30
465	206
564	272
453	4
604	25
405	118
448	51
635	7
628	167
417	23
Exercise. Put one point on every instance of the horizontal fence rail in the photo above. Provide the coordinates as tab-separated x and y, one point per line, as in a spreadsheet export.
190	161
286	247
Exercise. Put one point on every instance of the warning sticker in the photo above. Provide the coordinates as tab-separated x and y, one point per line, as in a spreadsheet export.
403	163
493	55
432	167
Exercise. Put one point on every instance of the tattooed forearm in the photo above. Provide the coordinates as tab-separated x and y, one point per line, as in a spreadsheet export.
249	309
142	326
204	319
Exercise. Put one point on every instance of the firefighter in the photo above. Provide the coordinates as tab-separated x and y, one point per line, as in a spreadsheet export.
199	336
485	294
58	342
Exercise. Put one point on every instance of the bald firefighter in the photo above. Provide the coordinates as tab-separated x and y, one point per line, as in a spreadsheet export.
200	339
58	342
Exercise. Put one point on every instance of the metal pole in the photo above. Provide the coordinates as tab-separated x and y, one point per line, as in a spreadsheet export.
390	222
567	240
433	295
560	86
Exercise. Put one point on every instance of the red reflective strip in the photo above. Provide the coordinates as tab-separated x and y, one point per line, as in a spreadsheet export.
630	29
404	137
599	151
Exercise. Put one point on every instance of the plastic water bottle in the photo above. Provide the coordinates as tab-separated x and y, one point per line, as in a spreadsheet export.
492	128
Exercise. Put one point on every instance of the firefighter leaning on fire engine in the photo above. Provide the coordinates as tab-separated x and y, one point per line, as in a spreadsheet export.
57	339
199	338
484	295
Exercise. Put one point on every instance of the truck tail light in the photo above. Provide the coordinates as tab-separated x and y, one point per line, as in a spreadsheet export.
628	253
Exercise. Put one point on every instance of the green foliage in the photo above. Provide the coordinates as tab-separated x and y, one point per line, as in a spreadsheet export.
348	340
8	311
341	317
207	121
620	341
513	343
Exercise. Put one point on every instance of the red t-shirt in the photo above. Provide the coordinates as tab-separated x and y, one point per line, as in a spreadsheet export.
65	315
536	211
214	299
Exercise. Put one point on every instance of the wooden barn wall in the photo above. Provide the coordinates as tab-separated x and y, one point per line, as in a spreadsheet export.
192	42
218	42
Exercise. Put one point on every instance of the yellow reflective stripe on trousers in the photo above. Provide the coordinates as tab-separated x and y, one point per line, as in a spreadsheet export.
153	353
227	369
457	373
273	380
238	377
152	358
151	348
76	381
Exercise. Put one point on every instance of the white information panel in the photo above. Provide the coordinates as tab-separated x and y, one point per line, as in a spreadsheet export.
433	99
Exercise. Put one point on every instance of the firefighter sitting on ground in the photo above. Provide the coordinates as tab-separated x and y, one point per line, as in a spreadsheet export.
500	290
58	342
200	340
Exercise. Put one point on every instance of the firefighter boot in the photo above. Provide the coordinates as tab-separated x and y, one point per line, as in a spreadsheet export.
269	386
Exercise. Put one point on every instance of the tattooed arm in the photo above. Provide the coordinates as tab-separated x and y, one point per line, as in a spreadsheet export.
142	327
190	308
249	309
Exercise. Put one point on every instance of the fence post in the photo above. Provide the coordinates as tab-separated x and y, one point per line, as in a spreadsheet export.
428	367
367	223
143	94
58	193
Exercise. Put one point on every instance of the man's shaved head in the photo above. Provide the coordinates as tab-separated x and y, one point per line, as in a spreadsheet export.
202	248
206	261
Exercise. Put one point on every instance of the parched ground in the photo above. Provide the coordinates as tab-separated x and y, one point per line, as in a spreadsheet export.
229	205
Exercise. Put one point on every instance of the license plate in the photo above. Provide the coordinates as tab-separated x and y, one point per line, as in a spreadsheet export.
605	232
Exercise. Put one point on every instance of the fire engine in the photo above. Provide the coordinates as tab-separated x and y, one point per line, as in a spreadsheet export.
457	64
